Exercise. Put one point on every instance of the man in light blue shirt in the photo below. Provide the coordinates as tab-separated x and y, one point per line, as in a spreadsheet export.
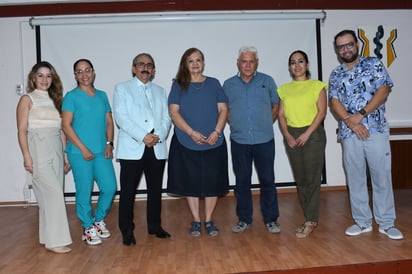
253	107
141	113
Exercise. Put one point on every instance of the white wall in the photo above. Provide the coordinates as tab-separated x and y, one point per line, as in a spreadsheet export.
399	111
17	55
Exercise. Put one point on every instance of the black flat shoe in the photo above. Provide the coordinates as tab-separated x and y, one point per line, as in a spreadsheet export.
159	233
129	240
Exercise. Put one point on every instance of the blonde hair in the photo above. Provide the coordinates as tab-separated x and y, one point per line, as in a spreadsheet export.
56	88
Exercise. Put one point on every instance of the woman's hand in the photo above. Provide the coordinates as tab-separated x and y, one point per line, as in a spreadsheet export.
198	137
213	138
108	152
67	166
87	154
302	139
291	141
28	164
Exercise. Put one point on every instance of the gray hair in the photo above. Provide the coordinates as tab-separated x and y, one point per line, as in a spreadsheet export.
245	49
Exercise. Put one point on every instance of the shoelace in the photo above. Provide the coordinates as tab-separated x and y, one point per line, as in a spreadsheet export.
92	232
101	225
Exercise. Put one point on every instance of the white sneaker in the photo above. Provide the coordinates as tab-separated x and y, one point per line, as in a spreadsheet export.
392	232
90	236
101	229
355	230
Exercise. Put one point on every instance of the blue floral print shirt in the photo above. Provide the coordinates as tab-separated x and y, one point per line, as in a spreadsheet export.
355	88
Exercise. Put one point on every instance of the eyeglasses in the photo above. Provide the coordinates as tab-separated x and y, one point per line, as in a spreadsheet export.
81	72
297	62
345	46
142	65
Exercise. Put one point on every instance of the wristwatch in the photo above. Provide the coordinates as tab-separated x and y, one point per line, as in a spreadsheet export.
362	111
109	143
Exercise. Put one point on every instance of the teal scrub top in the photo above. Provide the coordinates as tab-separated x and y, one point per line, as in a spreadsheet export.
89	119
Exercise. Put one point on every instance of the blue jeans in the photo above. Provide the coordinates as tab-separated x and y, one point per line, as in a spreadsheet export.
263	155
376	153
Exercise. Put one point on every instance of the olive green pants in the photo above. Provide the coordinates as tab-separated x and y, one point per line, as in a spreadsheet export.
307	163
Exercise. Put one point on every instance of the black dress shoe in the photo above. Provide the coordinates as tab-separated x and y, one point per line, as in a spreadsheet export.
129	240
159	232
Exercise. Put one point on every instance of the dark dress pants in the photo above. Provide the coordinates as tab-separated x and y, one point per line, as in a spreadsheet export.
130	174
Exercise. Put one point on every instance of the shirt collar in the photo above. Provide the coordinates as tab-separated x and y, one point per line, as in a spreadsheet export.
238	75
141	84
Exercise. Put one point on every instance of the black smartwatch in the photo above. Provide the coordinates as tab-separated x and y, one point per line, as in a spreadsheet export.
362	111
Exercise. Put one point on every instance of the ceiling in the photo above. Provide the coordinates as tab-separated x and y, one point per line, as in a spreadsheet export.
13	8
33	2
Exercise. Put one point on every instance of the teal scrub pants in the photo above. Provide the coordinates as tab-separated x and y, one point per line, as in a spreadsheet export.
85	173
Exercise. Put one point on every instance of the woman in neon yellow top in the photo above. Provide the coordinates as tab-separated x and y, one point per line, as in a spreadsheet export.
302	110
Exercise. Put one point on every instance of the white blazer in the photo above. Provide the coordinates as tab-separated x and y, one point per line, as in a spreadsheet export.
135	118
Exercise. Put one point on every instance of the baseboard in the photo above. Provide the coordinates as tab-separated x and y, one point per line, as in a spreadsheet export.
231	193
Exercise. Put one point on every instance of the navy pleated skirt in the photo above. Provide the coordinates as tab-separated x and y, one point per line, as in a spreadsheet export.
196	173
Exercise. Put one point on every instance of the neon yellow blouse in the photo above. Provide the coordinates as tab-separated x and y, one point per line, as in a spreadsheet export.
300	101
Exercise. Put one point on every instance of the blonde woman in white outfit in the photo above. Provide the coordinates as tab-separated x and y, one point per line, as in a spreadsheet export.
41	143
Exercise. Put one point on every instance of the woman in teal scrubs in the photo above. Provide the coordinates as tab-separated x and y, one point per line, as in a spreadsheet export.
88	124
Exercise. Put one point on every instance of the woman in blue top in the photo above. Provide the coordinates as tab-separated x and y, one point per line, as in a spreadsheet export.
88	124
198	153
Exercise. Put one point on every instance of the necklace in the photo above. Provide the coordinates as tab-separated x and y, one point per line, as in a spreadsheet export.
197	85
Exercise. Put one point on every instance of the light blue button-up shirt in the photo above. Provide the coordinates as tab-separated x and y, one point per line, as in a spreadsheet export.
250	108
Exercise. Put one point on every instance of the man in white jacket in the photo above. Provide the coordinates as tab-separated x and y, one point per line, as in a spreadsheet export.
141	114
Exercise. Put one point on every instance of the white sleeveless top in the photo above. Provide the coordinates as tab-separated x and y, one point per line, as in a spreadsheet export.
43	114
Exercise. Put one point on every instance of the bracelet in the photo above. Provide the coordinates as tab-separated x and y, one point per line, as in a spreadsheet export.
109	143
218	133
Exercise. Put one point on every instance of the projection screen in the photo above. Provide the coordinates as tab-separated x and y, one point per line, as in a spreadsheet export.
112	46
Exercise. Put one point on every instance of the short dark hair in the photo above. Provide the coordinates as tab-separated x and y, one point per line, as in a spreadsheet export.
344	32
82	60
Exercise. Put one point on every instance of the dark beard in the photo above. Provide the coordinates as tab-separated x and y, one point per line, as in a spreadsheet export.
351	59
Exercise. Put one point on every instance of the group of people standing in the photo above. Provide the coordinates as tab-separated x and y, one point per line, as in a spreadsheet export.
76	132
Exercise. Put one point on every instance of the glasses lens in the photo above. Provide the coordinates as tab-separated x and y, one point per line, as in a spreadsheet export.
81	72
345	46
147	65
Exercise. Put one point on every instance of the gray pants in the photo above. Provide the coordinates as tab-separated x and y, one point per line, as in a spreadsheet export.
374	152
46	151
